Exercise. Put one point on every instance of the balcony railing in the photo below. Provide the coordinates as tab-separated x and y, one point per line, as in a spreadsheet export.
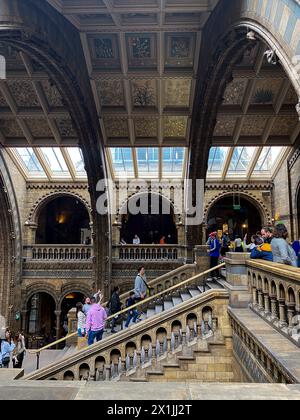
149	252
59	252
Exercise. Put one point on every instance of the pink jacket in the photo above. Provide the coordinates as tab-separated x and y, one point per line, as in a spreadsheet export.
96	318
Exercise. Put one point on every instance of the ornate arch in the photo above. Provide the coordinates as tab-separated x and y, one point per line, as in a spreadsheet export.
123	205
38	30
259	204
47	198
37	288
72	288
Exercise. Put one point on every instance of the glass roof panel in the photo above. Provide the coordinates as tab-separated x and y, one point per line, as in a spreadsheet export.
173	161
268	159
76	158
217	158
55	160
241	159
122	161
30	160
148	161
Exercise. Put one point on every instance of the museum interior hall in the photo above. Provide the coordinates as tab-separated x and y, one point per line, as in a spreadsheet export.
155	134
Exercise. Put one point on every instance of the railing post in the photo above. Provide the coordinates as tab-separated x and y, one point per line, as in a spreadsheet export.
37	360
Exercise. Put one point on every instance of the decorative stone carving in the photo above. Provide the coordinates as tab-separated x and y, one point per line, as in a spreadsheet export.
111	93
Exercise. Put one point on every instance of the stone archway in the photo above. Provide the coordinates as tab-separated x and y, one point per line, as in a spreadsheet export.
219	215
38	31
150	227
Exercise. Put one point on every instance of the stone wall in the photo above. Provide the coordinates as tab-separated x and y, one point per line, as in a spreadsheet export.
285	202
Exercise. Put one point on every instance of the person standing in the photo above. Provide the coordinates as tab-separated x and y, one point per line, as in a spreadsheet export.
115	306
162	240
19	351
95	322
225	244
7	347
296	248
214	253
238	243
283	253
136	240
81	320
267	234
133	313
140	285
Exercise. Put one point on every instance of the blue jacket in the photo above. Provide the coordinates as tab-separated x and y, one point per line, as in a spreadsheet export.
263	252
6	350
214	248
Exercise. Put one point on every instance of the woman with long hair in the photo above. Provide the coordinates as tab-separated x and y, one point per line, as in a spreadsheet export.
283	253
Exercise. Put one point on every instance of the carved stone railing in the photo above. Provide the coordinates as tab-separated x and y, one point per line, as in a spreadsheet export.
149	252
58	252
168	280
143	343
275	290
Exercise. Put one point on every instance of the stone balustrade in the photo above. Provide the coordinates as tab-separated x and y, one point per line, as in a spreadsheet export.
275	290
59	252
149	252
144	344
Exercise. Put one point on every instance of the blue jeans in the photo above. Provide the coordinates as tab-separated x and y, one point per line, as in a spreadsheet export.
80	333
94	335
132	315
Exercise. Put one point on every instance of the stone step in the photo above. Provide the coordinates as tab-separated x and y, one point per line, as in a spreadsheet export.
150	313
171	366
176	301
194	292
186	358
185	296
168	305
155	373
158	309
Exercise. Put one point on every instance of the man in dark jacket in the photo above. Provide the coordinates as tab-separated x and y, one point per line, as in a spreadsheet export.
115	306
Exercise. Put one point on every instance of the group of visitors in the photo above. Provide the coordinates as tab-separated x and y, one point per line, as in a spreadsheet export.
12	348
137	241
270	244
92	316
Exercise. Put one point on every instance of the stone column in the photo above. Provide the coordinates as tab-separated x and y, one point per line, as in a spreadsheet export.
237	281
260	300
58	316
274	306
267	303
282	314
201	258
291	313
72	327
254	296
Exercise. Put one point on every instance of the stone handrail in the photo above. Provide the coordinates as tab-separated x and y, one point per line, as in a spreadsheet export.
275	290
149	252
167	280
109	357
59	252
159	297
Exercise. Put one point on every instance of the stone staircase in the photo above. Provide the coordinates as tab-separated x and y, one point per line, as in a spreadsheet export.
161	337
170	300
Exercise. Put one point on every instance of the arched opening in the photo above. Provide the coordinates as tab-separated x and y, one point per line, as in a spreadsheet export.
236	215
64	220
158	221
69	302
41	322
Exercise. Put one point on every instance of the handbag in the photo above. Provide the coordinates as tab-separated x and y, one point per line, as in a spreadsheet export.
5	360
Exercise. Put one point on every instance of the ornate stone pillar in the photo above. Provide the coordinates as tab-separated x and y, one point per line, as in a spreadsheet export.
254	296
267	303
261	300
58	316
274	306
291	313
282	314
